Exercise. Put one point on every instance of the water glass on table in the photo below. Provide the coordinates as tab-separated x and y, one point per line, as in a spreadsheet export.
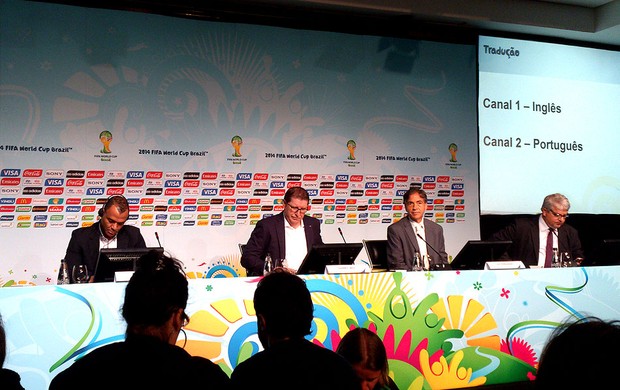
80	273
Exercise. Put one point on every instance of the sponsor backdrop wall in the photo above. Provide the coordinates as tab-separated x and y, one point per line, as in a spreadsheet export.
203	126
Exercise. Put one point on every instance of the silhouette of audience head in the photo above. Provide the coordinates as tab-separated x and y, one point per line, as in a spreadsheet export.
283	307
365	351
156	297
580	355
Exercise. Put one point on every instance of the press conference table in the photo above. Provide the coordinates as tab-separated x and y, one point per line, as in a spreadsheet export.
489	320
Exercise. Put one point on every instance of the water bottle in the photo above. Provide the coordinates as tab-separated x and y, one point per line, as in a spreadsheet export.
63	273
268	264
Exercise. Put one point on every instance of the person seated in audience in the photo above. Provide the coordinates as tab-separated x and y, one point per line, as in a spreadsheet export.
366	353
109	232
580	355
154	309
529	235
9	379
284	314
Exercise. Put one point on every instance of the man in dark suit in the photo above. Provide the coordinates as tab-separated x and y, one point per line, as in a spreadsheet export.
109	232
415	234
529	235
288	235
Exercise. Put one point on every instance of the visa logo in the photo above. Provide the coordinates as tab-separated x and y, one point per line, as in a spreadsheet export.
135	174
209	192
458	186
342	177
313	192
244	176
94	191
277	184
11	172
54	182
172	183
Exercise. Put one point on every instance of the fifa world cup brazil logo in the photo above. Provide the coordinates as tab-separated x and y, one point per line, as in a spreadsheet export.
453	149
351	146
236	143
106	139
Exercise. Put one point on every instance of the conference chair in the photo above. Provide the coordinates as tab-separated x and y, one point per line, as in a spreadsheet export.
377	254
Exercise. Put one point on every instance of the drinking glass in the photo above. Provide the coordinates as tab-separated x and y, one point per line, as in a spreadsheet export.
280	263
417	262
80	273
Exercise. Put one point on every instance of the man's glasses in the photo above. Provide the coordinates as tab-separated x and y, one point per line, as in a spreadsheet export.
297	209
557	215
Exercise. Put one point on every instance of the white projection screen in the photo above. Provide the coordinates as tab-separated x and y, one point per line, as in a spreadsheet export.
548	122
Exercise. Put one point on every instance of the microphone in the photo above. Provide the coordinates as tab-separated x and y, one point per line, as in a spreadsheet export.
436	265
341	235
157	236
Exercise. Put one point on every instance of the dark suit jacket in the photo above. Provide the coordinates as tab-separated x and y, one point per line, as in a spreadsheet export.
83	247
524	234
268	237
403	244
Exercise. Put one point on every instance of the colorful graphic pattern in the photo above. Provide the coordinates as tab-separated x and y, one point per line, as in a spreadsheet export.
448	329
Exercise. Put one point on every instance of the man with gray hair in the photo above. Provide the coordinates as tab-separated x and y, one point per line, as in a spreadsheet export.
535	239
